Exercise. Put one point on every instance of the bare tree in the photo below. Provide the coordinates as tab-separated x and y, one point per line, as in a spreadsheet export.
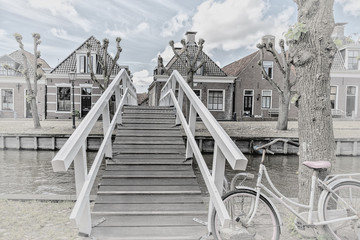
31	87
103	61
161	68
284	89
191	64
312	52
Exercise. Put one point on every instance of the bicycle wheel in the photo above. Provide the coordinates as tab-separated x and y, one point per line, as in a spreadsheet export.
337	205
240	205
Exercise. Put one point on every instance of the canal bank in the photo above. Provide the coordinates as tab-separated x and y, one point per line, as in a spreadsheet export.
20	134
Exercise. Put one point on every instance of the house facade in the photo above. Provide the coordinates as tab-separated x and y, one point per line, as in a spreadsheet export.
255	97
211	84
13	87
86	92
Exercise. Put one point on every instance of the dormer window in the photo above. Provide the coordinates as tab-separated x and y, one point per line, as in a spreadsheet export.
268	67
200	71
83	62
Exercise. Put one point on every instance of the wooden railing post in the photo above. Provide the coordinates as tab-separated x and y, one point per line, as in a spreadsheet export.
180	101
106	125
80	168
192	125
117	99
218	172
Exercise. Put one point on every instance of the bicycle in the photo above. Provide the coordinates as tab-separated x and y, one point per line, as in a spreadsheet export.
254	216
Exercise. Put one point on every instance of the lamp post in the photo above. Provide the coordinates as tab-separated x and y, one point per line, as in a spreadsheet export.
72	77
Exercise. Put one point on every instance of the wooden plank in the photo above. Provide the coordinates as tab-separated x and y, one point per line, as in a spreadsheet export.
142	121
146	198
149	182
150	150
148	116
147	220
149	173
149	162
148	133
148	188
149	208
146	167
118	155
150	146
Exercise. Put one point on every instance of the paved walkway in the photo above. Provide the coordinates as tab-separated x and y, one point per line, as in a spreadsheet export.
247	129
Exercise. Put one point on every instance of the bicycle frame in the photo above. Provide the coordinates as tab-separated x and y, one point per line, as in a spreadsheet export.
287	202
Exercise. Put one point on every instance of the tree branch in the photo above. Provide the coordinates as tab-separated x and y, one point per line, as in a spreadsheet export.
265	74
161	66
171	43
116	58
105	47
203	61
270	48
90	65
8	67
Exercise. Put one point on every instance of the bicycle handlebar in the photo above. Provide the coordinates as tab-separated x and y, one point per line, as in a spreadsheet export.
275	141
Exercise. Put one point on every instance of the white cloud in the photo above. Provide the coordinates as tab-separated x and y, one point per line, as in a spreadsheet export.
64	9
167	54
174	25
243	24
142	79
128	33
62	34
350	6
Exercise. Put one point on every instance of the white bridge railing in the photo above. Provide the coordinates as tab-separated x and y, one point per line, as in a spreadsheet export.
74	150
224	147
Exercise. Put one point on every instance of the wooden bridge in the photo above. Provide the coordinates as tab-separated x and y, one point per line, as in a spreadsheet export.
148	189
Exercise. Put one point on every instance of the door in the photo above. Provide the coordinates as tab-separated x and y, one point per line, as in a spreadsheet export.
248	102
28	113
85	100
350	100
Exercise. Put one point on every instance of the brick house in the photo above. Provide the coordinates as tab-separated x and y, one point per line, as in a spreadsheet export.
86	93
254	96
211	84
13	86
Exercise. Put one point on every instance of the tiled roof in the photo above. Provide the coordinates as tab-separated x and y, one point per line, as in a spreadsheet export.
69	63
338	63
210	68
17	57
235	68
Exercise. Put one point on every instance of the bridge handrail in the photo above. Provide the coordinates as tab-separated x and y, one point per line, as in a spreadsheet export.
224	149
74	150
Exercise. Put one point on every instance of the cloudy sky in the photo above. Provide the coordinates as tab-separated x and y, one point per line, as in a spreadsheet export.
231	28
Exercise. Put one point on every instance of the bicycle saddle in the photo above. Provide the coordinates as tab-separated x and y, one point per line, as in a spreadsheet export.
316	165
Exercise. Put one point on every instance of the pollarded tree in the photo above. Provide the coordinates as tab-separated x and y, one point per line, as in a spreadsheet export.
284	89
106	69
312	52
31	87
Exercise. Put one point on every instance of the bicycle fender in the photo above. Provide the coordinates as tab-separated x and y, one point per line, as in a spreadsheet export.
324	193
267	199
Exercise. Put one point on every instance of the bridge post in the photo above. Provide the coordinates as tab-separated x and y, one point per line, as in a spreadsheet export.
106	125
218	172
117	99
180	102
80	168
192	125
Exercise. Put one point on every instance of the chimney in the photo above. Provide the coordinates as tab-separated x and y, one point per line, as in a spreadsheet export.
338	32
267	39
190	38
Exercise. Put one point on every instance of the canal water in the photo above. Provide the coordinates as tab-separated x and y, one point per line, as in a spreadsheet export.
30	172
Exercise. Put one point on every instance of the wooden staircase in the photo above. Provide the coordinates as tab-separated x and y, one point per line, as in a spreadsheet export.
147	190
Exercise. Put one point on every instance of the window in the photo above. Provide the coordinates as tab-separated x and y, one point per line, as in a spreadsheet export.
200	70
63	99
268	66
353	59
216	100
83	63
197	92
333	92
266	99
7	100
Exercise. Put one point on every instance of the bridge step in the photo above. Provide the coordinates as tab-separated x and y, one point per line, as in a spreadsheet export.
147	190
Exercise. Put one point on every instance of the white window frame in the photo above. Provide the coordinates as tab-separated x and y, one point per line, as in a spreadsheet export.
207	102
82	54
63	85
13	99
356	97
200	71
272	67
262	95
337	95
85	86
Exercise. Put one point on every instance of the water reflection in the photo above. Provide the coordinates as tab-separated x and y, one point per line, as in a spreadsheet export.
282	170
30	172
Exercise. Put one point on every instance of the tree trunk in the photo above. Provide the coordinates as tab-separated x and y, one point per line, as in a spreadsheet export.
312	55
34	112
190	81
282	122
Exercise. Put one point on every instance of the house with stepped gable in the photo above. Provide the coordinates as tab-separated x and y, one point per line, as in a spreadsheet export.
211	84
86	92
255	97
13	86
